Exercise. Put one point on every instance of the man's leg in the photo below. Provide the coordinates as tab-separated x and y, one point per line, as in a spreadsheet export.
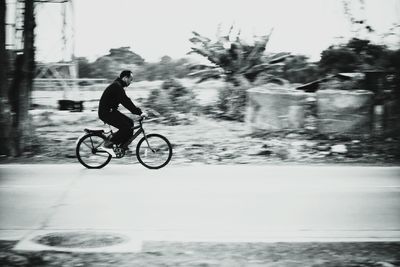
124	125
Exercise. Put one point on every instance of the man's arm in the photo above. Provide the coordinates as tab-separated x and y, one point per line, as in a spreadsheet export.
128	104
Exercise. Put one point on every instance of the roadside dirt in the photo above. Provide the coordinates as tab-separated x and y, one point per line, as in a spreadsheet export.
201	139
376	254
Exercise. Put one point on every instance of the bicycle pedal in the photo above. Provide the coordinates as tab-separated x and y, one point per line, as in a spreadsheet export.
119	152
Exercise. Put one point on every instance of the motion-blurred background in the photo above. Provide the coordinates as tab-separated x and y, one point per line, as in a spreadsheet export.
234	81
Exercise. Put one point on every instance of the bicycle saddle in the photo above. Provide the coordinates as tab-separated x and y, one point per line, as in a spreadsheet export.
94	131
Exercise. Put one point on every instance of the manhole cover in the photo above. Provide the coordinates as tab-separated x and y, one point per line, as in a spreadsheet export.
80	240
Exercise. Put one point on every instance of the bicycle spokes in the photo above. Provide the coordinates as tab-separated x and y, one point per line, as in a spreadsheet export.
154	151
88	154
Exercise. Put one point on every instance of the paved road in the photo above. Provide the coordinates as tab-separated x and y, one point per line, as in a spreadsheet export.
203	203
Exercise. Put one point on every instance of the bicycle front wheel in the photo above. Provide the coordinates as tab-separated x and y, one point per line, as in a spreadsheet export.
154	153
88	154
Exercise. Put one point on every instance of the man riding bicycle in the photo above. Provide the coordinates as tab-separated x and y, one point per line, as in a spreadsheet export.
108	112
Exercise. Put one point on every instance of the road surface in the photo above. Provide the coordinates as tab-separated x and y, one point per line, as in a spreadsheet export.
234	203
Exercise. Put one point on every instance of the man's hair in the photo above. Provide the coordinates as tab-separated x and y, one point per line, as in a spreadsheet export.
125	73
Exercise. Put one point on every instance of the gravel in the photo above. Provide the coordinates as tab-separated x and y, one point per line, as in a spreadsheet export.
375	254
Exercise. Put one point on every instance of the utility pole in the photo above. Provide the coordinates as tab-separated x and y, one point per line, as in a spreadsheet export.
64	73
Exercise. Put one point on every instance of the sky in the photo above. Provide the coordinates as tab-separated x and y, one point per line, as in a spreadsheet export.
154	28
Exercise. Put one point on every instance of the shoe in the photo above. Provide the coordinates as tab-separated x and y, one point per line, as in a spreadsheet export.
108	144
108	150
124	147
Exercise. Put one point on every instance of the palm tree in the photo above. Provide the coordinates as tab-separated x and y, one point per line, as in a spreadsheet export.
233	59
239	64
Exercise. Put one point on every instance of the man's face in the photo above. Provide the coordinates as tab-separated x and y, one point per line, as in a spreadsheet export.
128	79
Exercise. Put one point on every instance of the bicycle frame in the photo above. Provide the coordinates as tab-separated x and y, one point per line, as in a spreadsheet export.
137	133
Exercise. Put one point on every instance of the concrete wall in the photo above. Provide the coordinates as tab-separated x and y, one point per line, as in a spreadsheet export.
276	109
391	122
338	111
345	112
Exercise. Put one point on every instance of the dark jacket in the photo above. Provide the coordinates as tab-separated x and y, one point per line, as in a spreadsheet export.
114	95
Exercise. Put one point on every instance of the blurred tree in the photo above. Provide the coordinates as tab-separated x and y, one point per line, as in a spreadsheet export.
298	69
84	67
181	68
125	55
233	59
165	60
164	69
356	55
371	55
392	63
338	59
19	136
5	111
23	128
171	100
358	45
105	67
109	66
147	72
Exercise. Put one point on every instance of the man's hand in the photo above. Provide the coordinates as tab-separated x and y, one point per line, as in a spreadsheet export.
143	115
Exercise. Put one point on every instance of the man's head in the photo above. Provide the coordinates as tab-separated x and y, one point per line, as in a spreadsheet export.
126	76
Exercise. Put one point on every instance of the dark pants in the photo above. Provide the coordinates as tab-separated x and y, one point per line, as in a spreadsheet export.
120	121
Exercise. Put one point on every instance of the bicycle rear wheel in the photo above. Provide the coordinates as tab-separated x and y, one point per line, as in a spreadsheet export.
88	154
156	153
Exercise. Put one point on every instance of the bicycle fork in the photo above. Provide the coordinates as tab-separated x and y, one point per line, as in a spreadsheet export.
147	141
141	130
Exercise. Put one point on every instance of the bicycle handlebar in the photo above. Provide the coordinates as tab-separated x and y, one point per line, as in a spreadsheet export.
152	111
141	119
147	120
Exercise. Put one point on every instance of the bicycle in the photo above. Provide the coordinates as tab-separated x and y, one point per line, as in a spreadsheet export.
153	151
